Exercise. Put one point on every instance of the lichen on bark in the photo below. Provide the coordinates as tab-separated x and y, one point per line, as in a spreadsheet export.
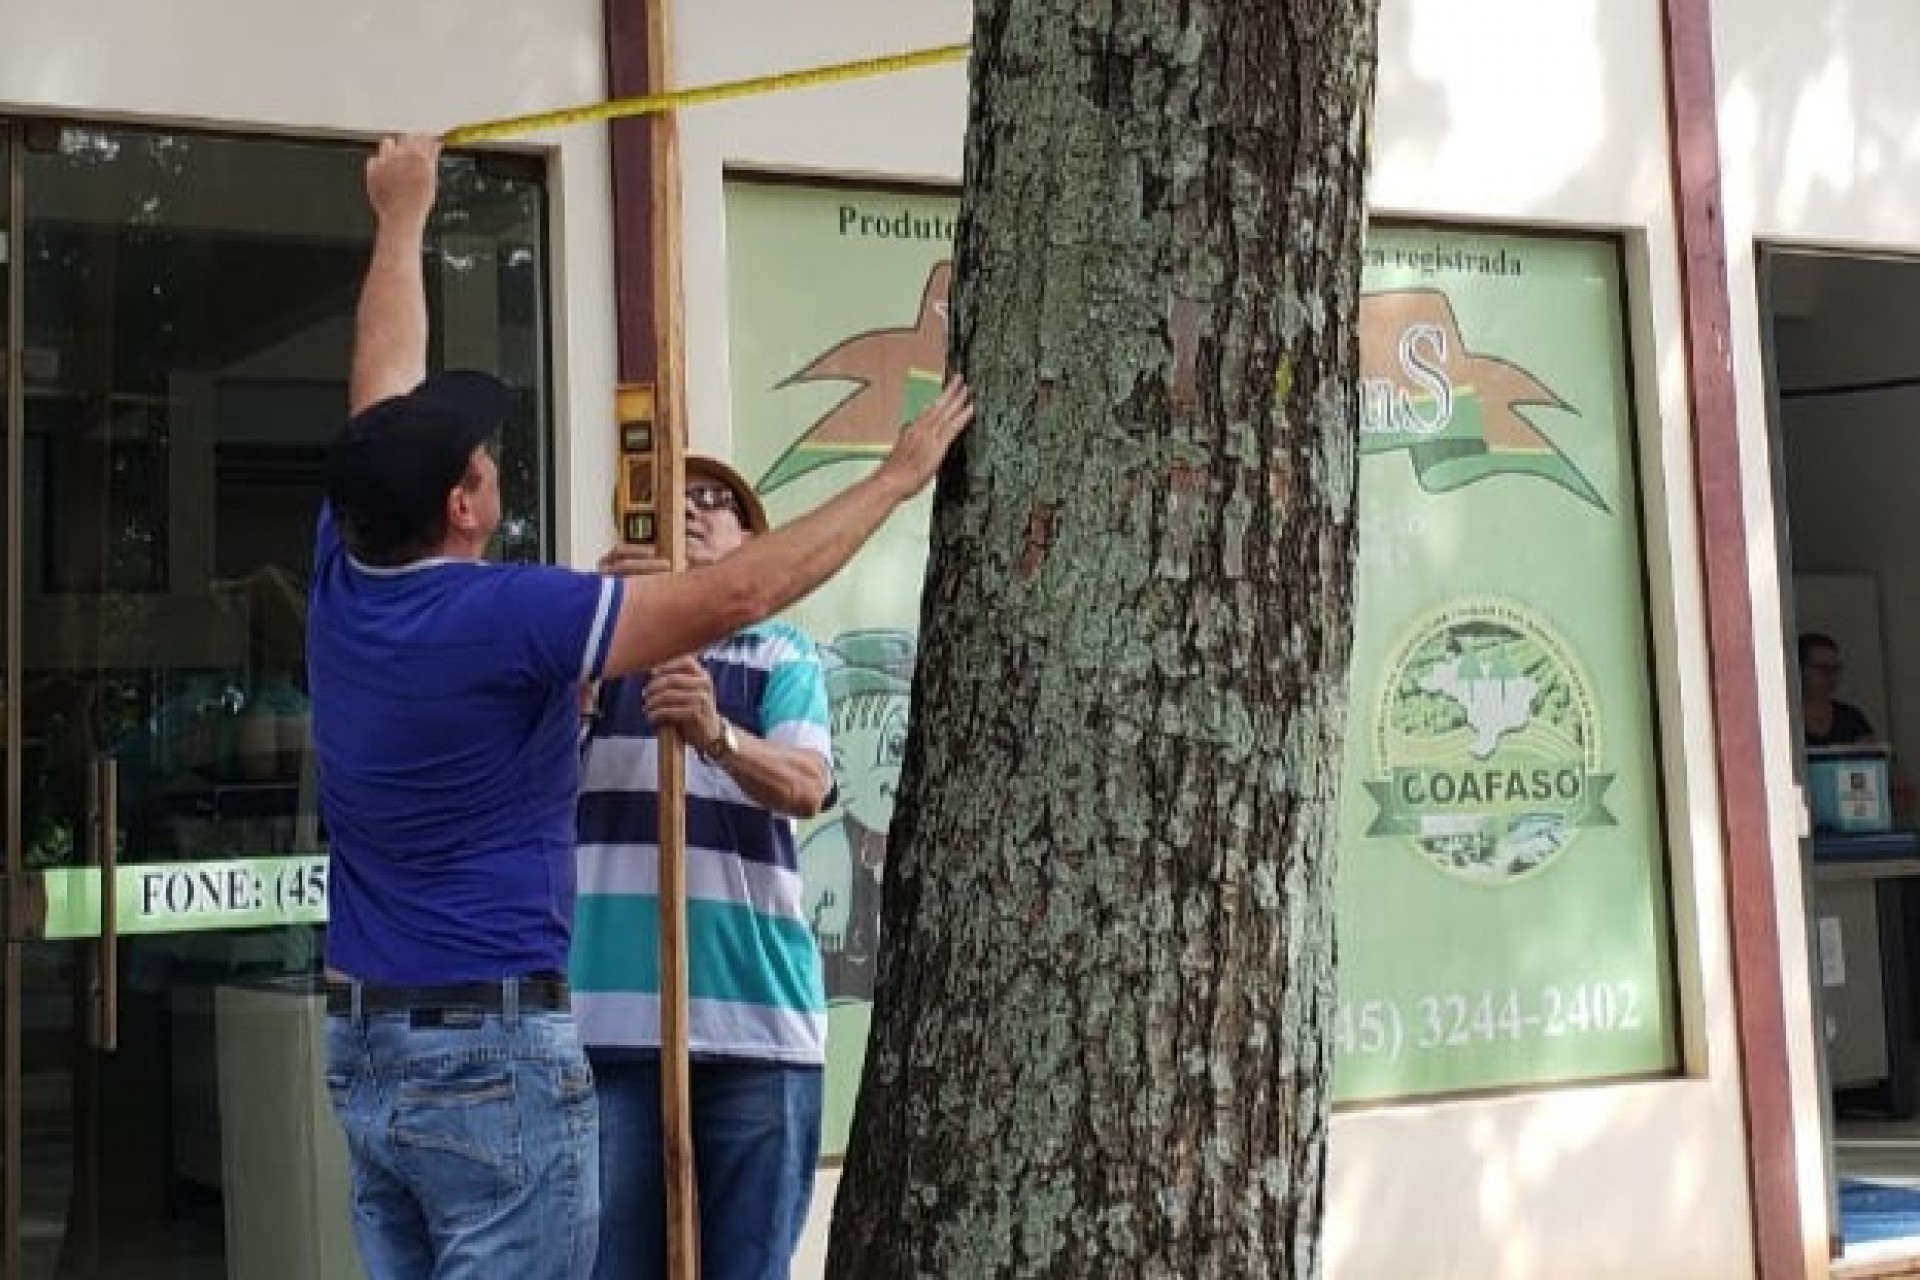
1099	1041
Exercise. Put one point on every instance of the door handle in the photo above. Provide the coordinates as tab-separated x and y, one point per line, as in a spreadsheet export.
103	814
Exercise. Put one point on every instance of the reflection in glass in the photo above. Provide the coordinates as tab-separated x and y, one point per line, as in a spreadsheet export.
188	308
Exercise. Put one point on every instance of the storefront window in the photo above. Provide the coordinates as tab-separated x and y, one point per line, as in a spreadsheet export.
189	305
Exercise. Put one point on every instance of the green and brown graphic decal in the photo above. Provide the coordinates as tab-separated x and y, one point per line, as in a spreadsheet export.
1487	744
1455	411
897	371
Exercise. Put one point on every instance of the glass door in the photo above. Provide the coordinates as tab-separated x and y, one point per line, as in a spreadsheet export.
171	370
176	341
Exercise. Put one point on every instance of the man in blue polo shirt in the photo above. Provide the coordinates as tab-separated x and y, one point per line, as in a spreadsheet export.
444	706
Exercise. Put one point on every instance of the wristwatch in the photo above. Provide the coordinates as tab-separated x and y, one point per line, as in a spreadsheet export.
723	746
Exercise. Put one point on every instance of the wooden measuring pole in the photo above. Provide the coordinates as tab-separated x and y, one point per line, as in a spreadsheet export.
650	407
669	486
652	480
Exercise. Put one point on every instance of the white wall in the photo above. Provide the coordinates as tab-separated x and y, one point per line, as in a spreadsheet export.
1506	110
361	68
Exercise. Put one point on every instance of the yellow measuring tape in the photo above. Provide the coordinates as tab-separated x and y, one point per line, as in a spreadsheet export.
724	92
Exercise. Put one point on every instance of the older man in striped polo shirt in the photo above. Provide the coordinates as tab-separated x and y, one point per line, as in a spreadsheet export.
754	710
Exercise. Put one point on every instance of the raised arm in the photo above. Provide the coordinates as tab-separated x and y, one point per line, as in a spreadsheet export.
390	330
672	614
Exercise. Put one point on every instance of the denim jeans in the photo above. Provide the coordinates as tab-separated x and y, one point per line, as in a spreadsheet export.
473	1147
756	1140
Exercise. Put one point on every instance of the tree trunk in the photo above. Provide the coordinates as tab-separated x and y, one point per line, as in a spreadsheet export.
1100	1035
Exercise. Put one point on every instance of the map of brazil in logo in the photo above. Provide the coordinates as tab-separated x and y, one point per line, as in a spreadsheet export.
1486	744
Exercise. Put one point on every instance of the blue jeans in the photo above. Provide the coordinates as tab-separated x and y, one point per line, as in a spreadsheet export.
756	1140
473	1148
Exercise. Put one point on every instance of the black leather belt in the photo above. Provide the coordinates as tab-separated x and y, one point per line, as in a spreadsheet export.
536	994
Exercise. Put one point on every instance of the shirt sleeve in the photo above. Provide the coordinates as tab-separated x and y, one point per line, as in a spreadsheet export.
793	705
561	620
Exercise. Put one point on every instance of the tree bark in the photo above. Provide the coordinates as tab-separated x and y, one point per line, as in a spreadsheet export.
1100	1033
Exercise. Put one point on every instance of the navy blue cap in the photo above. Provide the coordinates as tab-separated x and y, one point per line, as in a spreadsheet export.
390	469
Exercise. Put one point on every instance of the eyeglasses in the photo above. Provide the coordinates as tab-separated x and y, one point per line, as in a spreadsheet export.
1830	668
711	497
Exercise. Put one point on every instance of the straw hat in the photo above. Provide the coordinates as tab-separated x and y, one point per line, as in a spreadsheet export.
753	514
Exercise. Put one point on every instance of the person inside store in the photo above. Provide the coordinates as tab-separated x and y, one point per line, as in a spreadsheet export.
1830	721
1826	720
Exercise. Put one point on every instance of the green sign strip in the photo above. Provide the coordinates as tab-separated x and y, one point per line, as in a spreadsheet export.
190	897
